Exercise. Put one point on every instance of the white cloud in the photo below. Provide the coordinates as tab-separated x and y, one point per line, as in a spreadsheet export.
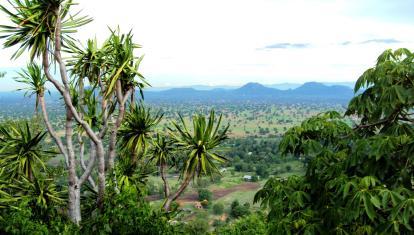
216	41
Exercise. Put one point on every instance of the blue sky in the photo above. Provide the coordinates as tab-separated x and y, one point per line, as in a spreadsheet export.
231	42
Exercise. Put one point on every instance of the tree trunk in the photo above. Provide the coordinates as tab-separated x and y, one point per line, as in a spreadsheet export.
74	203
180	190
74	187
163	169
49	126
30	173
114	132
101	175
82	158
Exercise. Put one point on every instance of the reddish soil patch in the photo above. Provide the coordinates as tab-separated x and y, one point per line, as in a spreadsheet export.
217	193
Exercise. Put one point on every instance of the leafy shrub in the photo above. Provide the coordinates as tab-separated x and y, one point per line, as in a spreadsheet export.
237	210
199	226
218	208
126	213
204	194
251	224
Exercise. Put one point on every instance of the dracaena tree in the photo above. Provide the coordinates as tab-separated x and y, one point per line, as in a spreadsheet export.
43	28
162	153
21	151
35	81
359	179
200	145
135	133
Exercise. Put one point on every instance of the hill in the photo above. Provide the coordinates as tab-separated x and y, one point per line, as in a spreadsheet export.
256	92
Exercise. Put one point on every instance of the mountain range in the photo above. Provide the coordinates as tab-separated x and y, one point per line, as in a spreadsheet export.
250	92
255	92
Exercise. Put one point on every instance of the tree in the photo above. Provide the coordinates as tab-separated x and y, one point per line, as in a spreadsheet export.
237	210
261	170
161	151
359	179
200	146
251	224
43	28
204	194
21	150
197	226
135	132
218	208
35	80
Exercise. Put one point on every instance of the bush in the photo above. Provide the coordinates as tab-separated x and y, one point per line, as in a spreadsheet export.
202	183
204	194
218	208
238	166
218	223
237	210
261	170
197	227
126	213
22	220
252	224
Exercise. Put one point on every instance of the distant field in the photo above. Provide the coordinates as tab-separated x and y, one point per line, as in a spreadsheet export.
231	187
251	120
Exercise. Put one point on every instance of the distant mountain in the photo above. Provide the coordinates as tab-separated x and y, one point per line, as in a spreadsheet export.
347	84
250	93
279	86
285	86
254	88
318	89
255	92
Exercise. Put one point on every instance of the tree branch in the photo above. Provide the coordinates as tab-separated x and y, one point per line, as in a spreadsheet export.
82	160
88	170
51	130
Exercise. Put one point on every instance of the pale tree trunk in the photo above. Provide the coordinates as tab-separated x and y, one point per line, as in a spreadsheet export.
74	204
121	99
74	187
51	130
101	175
67	151
82	158
163	169
68	101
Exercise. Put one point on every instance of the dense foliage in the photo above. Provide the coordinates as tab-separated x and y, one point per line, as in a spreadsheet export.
359	180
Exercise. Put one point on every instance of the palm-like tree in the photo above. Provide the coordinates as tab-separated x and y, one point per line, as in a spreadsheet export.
161	153
135	133
35	25
35	80
200	144
41	193
123	66
6	200
21	150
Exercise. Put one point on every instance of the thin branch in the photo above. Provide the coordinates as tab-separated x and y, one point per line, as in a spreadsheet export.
82	159
91	163
65	80
51	130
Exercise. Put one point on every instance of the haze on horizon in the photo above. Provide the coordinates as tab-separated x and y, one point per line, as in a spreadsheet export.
233	42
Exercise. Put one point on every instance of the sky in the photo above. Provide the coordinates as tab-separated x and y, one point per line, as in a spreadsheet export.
232	42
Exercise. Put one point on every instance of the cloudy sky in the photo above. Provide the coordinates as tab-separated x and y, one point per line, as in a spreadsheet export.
231	42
